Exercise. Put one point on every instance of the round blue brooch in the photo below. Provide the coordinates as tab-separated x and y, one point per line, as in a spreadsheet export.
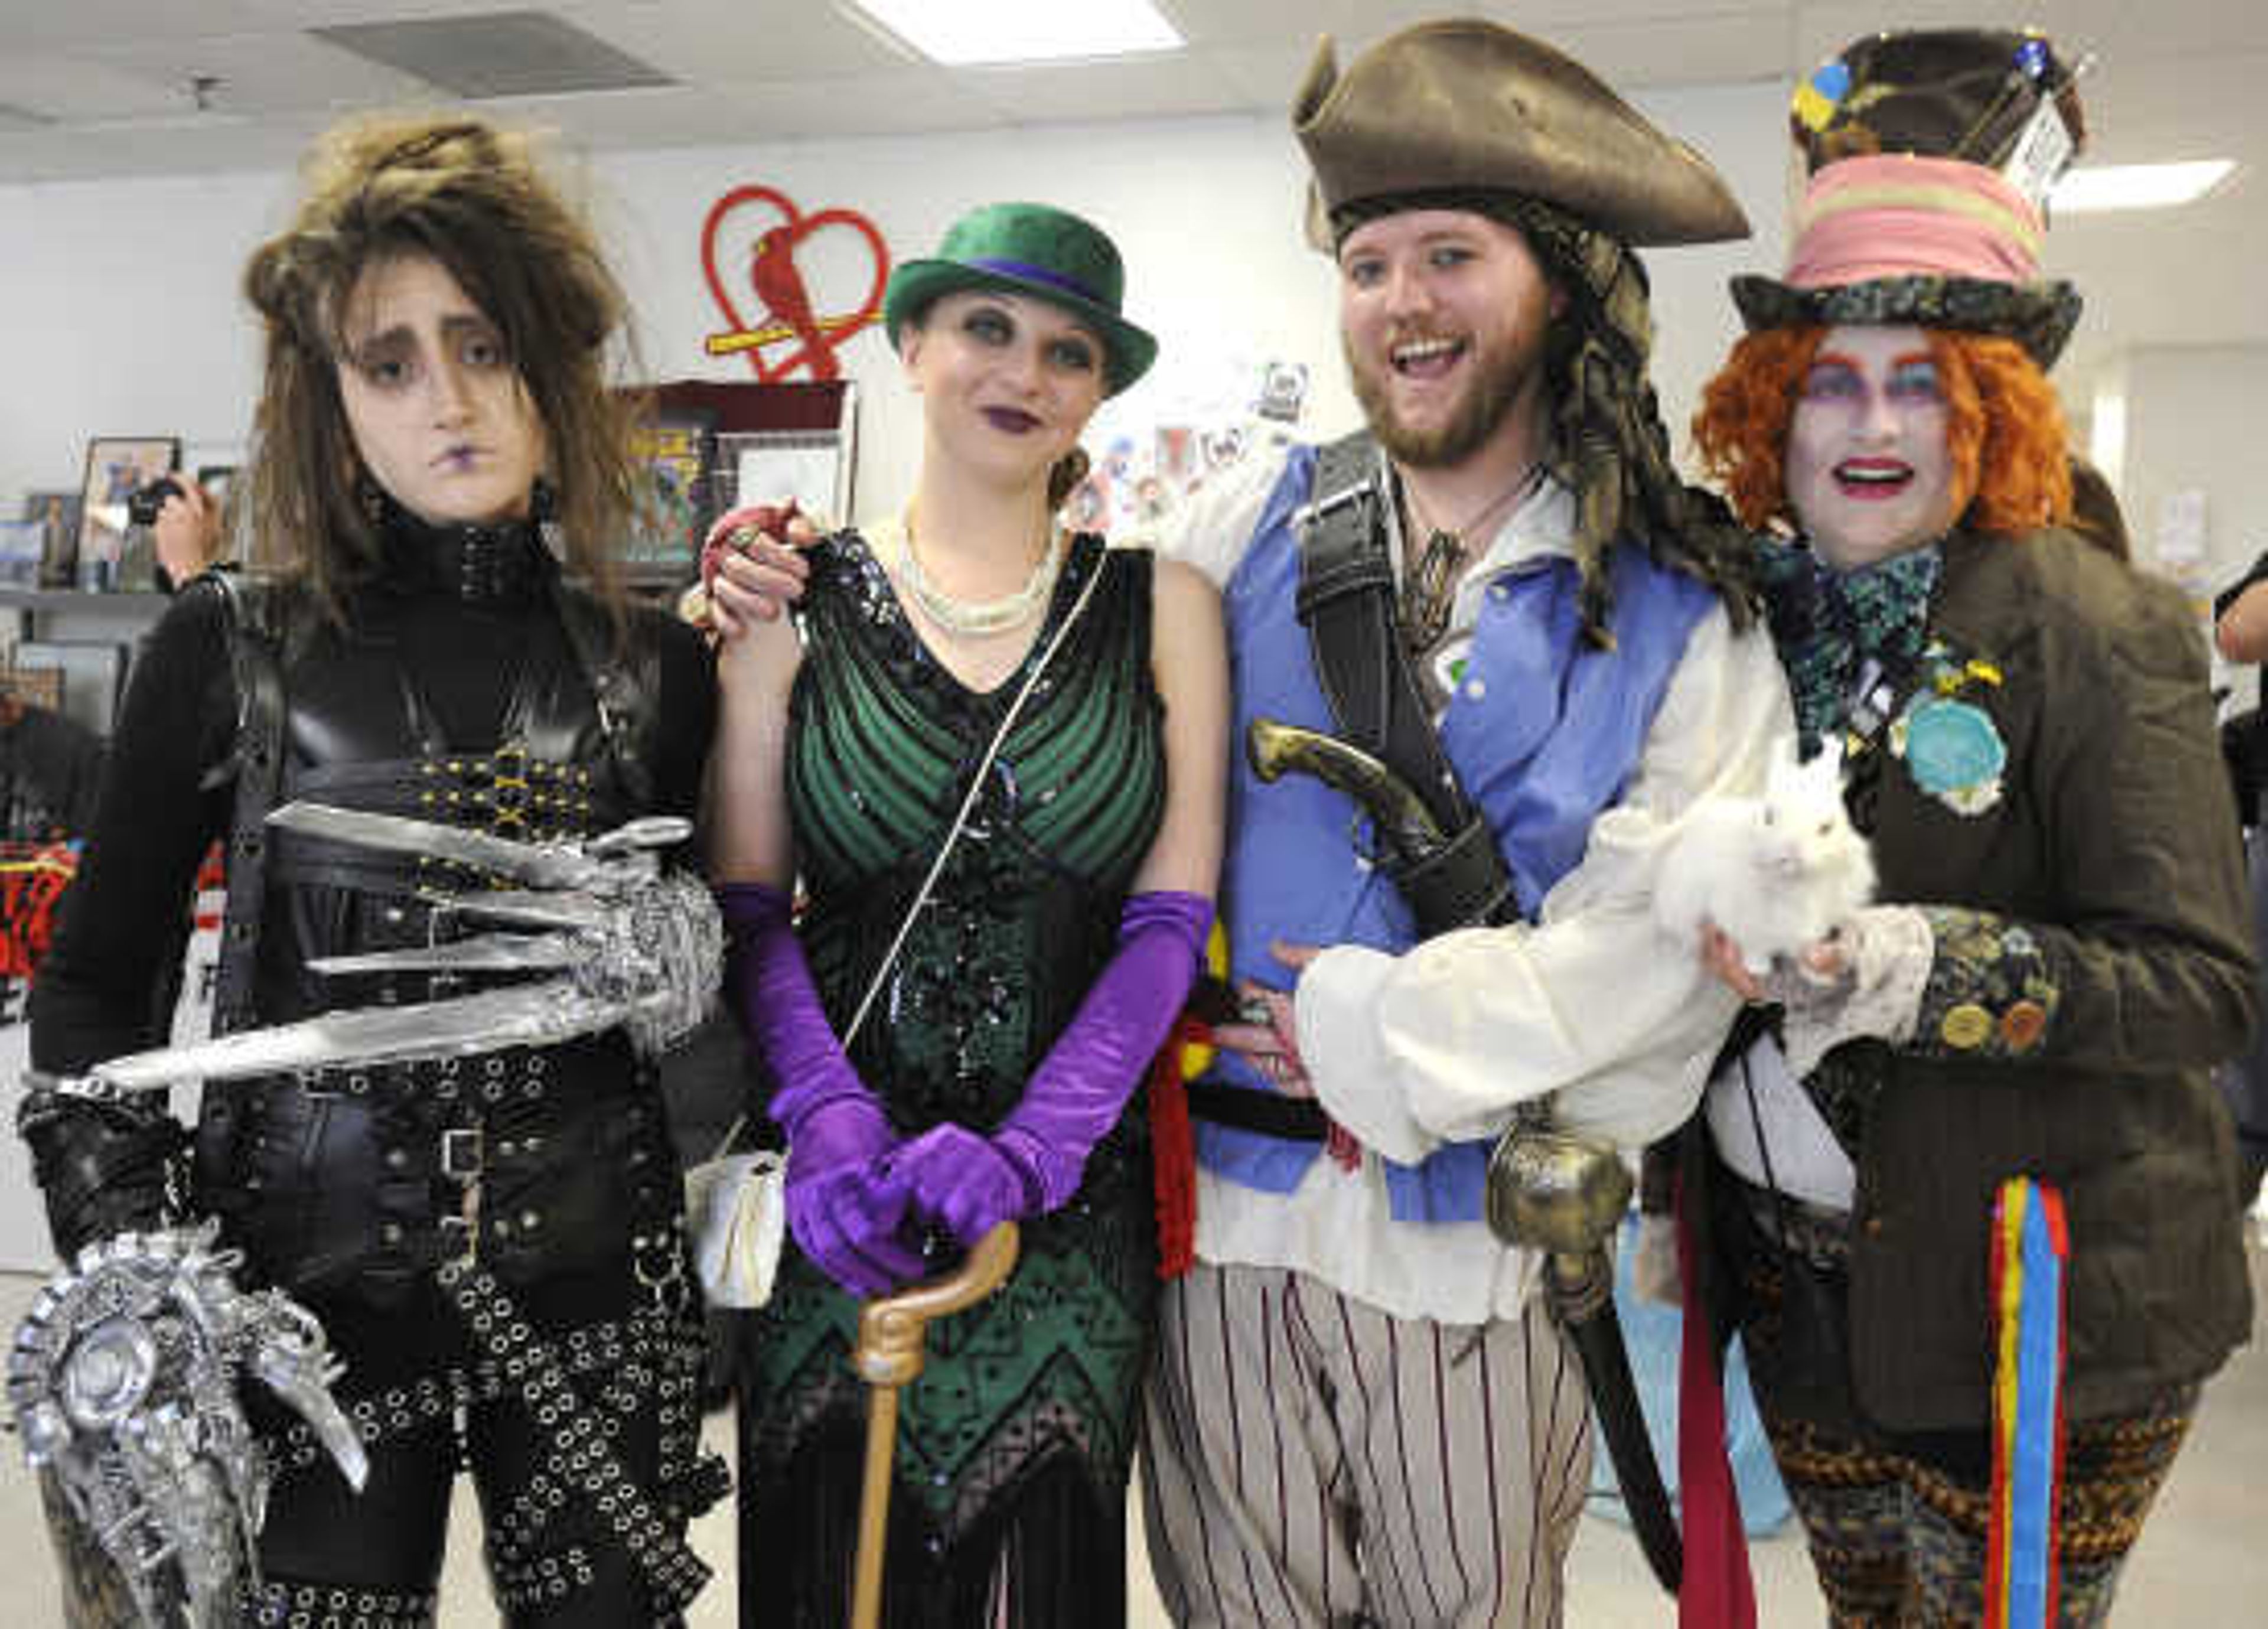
1952	752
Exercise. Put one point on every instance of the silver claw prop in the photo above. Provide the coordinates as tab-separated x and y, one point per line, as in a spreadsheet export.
626	946
124	1379
124	1373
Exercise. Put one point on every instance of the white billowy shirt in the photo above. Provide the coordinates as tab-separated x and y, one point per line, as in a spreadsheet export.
1592	1001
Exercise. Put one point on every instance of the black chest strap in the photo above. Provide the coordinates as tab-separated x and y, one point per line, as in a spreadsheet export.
256	665
1347	603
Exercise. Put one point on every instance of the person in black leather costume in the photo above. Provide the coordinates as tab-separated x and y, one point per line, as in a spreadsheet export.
493	1245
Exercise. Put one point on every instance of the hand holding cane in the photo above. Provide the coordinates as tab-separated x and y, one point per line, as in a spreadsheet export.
889	1356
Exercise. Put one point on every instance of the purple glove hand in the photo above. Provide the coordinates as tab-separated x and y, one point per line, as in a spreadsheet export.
845	1202
847	1197
1033	1161
966	1183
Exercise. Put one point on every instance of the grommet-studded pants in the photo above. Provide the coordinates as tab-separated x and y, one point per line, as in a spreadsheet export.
574	1403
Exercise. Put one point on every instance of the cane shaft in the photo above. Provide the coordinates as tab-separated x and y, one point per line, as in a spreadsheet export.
889	1356
874	1508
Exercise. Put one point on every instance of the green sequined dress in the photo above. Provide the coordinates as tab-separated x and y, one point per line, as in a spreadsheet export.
1018	1435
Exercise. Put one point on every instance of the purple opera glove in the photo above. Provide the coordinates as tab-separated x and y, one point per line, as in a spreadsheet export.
845	1199
965	1184
1080	1089
848	1196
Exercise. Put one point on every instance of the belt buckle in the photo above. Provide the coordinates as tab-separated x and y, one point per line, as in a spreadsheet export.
459	1239
462	1153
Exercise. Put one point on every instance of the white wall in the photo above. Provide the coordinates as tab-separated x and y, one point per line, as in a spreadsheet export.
119	314
2196	421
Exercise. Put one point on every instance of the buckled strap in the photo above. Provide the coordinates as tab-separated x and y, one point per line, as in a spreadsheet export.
463	1148
1294	1119
257	668
1347	602
625	680
1466	883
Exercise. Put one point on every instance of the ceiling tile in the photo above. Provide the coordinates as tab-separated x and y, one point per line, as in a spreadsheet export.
1724	47
1180	83
890	104
266	73
79	87
713	41
499	53
30	25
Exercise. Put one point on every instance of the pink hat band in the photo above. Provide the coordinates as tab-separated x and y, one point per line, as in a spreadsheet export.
1905	217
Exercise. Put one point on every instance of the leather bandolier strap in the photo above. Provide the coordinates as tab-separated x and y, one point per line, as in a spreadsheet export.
1347	603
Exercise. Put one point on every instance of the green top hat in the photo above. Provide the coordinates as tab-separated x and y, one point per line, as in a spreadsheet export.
1032	249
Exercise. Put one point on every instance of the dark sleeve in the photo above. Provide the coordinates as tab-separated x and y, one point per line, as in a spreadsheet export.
686	718
154	818
2150	964
2230	595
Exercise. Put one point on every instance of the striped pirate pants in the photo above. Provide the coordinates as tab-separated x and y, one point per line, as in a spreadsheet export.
1309	1460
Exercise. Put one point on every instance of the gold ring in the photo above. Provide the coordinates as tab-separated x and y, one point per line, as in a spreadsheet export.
744	538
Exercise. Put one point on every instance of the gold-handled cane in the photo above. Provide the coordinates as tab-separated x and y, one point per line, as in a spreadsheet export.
888	1358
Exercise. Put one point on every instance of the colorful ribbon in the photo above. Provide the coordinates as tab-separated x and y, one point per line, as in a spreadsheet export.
2030	1247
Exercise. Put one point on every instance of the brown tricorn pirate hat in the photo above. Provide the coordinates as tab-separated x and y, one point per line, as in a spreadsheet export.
1465	106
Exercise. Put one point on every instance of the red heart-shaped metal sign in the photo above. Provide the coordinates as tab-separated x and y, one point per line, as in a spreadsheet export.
788	312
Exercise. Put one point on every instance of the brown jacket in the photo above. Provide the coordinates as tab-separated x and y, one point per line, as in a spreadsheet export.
2114	846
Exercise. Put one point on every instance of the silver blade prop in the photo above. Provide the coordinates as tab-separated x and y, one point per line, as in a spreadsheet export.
608	865
631	947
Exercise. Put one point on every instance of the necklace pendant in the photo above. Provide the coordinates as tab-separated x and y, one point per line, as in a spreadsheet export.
1427	595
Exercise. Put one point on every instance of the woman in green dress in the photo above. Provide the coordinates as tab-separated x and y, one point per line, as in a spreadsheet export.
969	658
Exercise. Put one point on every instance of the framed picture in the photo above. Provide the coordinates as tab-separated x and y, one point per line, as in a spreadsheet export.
93	673
673	503
116	468
57	513
764	466
23	544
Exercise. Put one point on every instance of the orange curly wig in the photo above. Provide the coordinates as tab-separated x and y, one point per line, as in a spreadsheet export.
2004	432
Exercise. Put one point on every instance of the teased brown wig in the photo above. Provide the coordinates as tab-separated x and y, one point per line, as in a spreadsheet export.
2005	433
473	198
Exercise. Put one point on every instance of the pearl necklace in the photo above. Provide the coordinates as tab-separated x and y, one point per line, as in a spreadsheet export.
977	618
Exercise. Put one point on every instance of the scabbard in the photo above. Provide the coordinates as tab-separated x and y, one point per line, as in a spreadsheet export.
1581	1292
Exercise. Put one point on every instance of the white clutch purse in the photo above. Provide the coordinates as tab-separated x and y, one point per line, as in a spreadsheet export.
736	1208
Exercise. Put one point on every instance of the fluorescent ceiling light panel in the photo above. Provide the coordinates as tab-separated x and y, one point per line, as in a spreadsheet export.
962	33
2137	186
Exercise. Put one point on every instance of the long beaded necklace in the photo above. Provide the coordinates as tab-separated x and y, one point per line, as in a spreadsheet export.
977	618
1430	587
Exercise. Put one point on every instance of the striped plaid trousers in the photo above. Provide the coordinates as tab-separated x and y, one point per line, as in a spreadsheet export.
1309	1459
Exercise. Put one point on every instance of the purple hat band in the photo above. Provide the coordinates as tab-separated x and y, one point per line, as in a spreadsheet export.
1024	271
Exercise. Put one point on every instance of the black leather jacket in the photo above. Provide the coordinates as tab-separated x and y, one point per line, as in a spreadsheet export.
471	687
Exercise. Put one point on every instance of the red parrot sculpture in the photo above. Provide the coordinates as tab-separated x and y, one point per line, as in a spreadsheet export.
780	286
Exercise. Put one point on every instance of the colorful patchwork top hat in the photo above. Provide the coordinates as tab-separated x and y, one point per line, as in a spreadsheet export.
1437	113
1931	157
1037	251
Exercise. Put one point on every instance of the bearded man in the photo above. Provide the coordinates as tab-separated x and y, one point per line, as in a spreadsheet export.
1362	1410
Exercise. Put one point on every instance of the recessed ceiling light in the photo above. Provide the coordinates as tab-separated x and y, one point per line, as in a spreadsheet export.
2137	186
966	33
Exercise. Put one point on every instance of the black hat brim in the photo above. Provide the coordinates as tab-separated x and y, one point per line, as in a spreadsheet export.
2038	316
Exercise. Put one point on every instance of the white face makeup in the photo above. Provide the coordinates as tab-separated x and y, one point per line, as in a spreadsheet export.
436	407
1869	475
1007	383
1442	314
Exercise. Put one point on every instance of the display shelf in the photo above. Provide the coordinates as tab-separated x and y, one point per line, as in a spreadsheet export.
21	598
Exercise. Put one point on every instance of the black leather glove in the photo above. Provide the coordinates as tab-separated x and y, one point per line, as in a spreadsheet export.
103	1168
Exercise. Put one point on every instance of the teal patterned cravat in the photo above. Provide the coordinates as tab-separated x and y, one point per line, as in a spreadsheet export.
1827	623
